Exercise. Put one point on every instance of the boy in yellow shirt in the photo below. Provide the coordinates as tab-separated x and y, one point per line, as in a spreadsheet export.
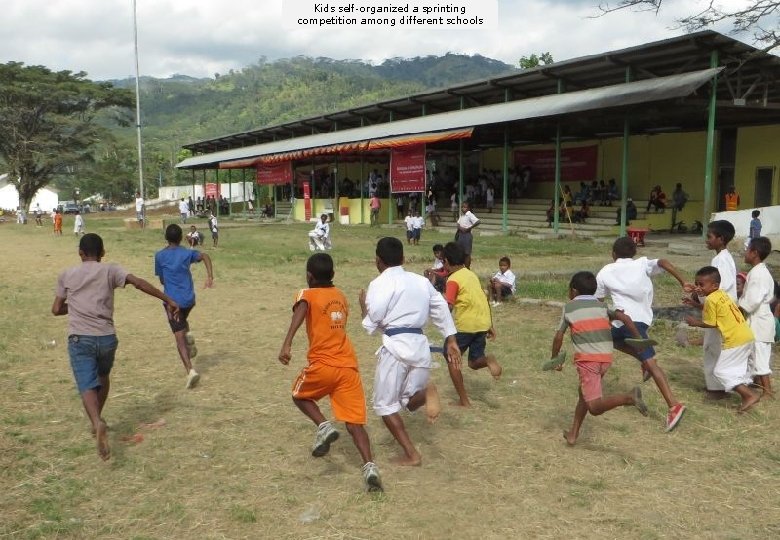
720	312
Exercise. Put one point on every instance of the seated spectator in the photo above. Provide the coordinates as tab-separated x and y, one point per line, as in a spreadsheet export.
319	238
581	214
502	284
437	274
631	211
583	194
612	192
194	237
657	199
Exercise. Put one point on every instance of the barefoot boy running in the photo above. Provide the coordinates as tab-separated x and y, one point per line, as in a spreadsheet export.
398	304
332	368
85	294
473	319
591	334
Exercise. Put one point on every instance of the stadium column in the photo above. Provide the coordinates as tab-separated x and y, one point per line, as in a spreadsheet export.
243	188
556	212
624	168
505	186
219	190
708	203
362	179
230	192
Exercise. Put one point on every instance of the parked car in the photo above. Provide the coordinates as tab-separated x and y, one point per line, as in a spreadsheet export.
70	207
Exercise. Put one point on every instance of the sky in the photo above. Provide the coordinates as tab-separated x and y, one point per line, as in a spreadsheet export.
203	37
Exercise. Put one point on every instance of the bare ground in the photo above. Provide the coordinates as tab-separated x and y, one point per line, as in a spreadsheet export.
233	461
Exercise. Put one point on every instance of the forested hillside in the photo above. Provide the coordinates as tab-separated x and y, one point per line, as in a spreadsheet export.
182	109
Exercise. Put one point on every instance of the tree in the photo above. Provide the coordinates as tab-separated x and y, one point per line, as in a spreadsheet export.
48	122
762	17
529	62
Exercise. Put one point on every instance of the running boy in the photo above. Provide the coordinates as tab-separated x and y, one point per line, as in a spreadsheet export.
398	304
85	294
172	266
332	368
721	314
502	284
591	335
627	281
757	295
473	319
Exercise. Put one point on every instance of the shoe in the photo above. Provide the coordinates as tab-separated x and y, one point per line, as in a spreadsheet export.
371	476
495	304
554	362
675	415
192	379
326	434
640	344
639	403
192	350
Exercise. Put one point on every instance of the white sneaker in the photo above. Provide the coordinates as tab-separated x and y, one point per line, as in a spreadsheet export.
326	434
371	476
494	303
192	379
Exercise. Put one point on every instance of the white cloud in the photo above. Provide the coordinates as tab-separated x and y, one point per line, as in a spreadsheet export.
202	37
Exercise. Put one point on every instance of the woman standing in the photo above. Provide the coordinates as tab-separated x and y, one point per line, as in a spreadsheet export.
463	237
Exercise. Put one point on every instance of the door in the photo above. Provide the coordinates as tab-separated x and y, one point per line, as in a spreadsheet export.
764	177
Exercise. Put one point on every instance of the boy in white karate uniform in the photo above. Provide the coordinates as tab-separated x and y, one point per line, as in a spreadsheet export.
758	293
319	238
398	304
719	234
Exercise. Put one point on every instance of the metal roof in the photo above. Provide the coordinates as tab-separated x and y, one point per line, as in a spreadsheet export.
747	91
619	95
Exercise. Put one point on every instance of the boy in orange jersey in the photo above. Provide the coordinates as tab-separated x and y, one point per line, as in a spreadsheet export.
332	368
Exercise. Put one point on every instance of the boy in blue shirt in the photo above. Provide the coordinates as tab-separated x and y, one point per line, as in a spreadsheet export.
172	266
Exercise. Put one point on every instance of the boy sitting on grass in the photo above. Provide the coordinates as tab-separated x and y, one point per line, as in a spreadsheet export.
502	284
437	274
591	334
722	314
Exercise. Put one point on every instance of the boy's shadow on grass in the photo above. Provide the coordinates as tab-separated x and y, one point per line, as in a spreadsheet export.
134	416
204	363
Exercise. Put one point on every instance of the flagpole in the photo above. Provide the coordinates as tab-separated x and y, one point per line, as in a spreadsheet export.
138	114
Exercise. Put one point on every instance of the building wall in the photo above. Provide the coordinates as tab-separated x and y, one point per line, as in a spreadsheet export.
756	147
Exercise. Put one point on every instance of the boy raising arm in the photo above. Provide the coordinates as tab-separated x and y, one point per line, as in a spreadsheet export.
85	294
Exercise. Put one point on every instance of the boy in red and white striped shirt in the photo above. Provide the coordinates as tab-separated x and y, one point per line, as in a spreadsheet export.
589	321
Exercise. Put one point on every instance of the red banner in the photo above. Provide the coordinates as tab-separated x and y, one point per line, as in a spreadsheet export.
407	169
306	202
577	164
277	173
212	190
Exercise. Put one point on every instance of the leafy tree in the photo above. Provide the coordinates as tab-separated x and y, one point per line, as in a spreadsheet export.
762	17
528	62
48	122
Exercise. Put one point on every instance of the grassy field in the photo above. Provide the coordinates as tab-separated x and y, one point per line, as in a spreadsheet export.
232	459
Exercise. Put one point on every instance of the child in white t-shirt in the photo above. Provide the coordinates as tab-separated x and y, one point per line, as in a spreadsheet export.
417	226
502	284
409	222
